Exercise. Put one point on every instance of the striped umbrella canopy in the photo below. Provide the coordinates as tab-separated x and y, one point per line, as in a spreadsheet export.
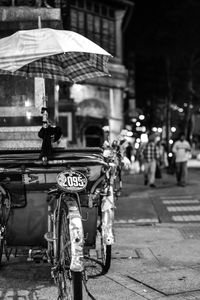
53	54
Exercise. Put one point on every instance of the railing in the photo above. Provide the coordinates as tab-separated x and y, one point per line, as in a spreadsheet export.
31	3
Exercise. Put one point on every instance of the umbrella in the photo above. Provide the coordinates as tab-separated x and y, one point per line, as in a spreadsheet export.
54	54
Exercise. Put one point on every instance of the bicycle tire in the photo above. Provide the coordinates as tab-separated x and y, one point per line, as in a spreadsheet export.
104	251
69	282
1	249
106	256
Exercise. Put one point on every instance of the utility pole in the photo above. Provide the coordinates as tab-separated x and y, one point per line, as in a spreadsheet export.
168	104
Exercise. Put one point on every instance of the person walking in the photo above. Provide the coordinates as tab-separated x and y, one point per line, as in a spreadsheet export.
150	156
181	150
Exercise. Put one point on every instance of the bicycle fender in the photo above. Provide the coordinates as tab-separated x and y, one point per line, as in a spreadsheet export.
76	237
107	209
107	227
108	200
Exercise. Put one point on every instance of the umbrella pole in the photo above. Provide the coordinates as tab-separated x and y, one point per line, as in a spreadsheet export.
44	112
45	134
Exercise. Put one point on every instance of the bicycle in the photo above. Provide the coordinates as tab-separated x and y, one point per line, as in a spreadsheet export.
67	248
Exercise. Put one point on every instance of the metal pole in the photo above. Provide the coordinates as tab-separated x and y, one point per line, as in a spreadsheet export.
44	98
169	100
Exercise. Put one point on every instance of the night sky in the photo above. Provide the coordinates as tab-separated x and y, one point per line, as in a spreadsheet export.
159	31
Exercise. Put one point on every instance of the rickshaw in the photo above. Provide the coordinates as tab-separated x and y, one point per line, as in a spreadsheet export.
58	202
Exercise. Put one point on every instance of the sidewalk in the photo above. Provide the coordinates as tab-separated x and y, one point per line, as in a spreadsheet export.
158	261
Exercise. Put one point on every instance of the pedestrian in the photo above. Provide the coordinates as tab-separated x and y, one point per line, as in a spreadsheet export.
150	156
162	162
129	151
181	150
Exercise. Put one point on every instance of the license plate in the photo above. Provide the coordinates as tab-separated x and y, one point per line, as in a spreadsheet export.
72	181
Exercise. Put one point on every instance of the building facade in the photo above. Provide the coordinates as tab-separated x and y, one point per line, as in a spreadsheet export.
80	109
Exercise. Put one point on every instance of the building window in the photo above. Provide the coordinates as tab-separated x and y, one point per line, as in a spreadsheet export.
95	21
16	91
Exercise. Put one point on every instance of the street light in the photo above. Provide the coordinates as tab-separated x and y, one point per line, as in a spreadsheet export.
173	129
141	117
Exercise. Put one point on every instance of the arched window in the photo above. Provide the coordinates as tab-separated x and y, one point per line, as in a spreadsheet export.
93	136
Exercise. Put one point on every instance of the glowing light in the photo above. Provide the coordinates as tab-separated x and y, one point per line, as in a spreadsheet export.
138	140
77	87
134	120
171	142
173	129
129	133
143	128
159	129
57	88
28	115
170	154
138	123
27	103
180	110
144	138
106	128
154	129
141	117
137	145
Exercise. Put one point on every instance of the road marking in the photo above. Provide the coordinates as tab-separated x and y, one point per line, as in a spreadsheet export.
186	218
183	208
133	221
180	204
180	201
176	197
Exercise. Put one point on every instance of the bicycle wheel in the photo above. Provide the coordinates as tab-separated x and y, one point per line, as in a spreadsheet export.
106	251
117	184
69	283
1	249
103	251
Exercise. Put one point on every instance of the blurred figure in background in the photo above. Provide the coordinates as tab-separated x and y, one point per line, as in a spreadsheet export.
129	151
150	155
162	162
181	150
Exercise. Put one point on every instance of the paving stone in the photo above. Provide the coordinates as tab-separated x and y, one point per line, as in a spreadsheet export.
170	282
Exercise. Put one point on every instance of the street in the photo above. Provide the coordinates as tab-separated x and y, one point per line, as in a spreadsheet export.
167	203
156	254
